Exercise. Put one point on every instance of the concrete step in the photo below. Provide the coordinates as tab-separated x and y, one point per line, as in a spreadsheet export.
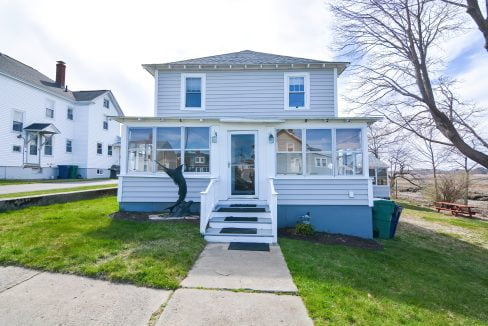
220	222
261	236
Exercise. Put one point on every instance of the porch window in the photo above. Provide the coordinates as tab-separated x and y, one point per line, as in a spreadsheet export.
18	121
289	158
349	152
48	145
139	149
168	147
197	149
319	152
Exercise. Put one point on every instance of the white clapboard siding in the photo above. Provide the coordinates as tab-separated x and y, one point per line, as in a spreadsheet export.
321	191
154	190
257	93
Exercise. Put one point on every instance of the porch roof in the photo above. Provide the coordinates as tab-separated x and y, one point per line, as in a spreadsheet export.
128	119
43	128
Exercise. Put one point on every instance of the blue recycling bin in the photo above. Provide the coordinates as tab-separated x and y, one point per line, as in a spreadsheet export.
395	219
63	171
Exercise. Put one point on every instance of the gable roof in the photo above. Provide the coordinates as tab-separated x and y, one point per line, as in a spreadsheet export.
28	75
88	95
246	58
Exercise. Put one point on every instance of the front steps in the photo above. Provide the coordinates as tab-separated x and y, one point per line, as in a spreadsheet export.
240	222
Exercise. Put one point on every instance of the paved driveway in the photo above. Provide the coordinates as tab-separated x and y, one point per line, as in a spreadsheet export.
8	189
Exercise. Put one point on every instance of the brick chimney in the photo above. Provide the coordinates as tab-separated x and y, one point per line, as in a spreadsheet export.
60	74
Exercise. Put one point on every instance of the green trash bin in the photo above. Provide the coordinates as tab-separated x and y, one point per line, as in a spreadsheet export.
73	171
382	217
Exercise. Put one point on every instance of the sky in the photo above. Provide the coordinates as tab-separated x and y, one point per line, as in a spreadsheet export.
105	42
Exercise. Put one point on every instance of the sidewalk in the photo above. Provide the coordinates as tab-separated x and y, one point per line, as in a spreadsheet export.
9	189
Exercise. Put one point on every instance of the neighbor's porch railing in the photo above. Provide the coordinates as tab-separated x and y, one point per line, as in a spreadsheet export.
208	199
273	208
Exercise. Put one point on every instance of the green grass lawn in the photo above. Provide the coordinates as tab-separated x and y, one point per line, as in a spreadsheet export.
21	182
55	191
80	238
421	277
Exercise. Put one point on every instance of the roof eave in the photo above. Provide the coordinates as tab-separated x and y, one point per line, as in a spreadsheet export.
368	119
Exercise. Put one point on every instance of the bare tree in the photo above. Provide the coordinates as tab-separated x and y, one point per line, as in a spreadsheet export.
473	9
400	162
467	165
398	71
433	154
380	136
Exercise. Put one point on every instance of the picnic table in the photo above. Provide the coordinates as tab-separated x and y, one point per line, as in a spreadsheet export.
456	209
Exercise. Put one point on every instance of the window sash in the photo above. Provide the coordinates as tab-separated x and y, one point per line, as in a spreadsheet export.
48	145
99	148
69	146
49	113
193	92
109	150
69	114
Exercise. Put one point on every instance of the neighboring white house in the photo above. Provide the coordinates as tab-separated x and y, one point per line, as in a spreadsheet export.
43	124
261	142
378	171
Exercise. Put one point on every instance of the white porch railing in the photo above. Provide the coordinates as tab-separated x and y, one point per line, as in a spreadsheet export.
273	208
208	199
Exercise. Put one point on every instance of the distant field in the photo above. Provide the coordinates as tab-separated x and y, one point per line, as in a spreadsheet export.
478	188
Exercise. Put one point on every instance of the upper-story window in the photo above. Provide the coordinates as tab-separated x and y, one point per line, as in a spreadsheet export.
105	122
99	148
69	113
193	91
106	103
69	146
109	150
50	109
17	121
297	91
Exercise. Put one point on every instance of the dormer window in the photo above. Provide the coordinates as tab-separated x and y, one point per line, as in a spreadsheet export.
106	103
193	91
297	94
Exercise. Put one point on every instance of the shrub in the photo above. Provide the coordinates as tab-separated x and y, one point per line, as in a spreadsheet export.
451	187
304	229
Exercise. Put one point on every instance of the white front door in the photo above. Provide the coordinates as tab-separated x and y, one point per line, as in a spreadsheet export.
243	180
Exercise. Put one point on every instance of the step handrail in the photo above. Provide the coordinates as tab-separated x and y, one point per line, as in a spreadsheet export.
273	208
208	199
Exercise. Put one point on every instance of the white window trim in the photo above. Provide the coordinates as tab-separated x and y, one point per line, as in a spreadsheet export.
184	76
111	152
65	143
306	81
52	147
13	119
96	148
108	101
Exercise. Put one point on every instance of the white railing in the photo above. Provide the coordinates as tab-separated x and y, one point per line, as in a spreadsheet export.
208	199
273	208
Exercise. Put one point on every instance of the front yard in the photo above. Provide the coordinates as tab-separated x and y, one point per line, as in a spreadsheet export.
434	272
80	238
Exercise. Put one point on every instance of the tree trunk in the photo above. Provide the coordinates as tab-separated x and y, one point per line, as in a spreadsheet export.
436	189
466	181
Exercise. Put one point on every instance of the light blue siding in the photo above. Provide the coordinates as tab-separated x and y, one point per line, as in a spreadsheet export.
154	190
321	191
246	93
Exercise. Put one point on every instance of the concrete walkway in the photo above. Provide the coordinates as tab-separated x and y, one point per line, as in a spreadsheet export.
9	189
224	287
269	296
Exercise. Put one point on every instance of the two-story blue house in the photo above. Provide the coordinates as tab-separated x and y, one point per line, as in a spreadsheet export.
261	142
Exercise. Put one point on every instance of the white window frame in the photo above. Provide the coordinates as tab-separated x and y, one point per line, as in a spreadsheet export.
100	147
203	91
44	145
72	113
200	160
105	120
66	145
306	82
13	119
50	105
49	109
110	150
106	100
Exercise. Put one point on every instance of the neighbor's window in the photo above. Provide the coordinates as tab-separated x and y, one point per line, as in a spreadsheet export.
372	174
48	145
349	152
197	149
296	87
16	148
69	146
99	172
69	114
168	147
49	113
18	121
139	149
109	150
33	137
319	152
99	148
381	177
106	103
289	158
105	122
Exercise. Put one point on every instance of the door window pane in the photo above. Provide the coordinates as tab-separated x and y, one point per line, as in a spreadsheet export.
33	144
140	149
242	165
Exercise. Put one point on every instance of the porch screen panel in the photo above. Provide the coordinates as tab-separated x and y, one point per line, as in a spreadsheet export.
349	152
197	149
139	150
168	147
319	152
289	158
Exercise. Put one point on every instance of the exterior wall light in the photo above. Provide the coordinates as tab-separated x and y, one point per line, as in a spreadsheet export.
271	139
214	137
